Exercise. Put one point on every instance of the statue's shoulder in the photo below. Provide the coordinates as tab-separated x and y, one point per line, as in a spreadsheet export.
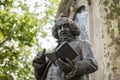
85	42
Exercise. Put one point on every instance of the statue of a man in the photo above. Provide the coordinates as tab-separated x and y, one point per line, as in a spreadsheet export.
77	69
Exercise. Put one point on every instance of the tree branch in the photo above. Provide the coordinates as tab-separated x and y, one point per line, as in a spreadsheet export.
1	43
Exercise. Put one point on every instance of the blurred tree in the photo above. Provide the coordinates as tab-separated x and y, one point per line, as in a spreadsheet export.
18	30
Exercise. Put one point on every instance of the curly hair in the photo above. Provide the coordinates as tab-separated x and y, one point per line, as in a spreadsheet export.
63	20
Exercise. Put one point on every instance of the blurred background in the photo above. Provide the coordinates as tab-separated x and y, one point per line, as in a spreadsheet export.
25	29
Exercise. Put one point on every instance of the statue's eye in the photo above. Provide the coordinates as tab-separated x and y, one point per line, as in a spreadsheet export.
59	27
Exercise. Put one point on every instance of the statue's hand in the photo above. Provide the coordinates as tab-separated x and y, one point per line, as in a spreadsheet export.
39	59
65	66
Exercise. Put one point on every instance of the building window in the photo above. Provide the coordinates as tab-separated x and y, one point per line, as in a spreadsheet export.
81	19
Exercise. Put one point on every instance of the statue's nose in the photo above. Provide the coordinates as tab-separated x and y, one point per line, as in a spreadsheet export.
62	28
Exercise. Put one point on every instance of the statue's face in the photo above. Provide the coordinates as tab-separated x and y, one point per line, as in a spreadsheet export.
64	32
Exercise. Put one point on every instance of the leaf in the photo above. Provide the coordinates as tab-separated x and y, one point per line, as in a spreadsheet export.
44	34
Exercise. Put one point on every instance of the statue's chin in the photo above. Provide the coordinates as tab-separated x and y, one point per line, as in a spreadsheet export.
63	38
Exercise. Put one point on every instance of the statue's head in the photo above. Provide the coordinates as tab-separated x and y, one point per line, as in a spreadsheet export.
65	28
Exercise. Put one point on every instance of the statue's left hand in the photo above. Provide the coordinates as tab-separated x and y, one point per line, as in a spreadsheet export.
65	66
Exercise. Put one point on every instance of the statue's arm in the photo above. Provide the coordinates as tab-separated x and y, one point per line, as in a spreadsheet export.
39	64
87	65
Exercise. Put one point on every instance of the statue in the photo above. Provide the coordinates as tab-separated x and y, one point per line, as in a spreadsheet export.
77	69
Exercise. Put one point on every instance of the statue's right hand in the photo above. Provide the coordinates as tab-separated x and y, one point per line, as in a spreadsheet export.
39	59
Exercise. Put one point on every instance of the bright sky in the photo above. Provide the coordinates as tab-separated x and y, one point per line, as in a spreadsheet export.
49	42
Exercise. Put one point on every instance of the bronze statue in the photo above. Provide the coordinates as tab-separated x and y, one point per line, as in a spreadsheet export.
77	69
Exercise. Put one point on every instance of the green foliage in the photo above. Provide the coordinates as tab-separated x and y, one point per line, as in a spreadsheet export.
6	4
18	27
18	32
44	34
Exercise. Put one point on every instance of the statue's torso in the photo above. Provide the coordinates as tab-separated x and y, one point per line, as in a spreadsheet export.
54	73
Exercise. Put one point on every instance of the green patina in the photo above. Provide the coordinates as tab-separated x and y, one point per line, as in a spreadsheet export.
112	10
106	2
114	13
119	26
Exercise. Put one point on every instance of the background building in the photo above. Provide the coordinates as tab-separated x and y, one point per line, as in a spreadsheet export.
99	21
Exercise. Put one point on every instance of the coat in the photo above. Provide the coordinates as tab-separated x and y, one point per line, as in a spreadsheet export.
84	64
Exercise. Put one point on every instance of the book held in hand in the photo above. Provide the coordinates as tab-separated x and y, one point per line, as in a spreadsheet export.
63	51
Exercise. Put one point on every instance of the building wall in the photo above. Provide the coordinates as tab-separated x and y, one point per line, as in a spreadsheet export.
110	14
96	38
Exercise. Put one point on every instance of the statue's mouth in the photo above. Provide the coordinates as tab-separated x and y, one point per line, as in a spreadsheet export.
64	33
